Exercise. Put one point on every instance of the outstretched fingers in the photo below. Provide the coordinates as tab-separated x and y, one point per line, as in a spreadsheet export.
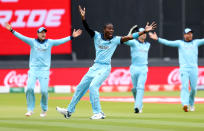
79	31
147	24
153	36
80	8
150	34
154	25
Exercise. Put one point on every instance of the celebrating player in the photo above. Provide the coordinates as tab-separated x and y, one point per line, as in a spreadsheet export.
105	45
39	64
138	69
188	61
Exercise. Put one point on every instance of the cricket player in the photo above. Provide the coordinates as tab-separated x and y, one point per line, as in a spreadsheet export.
138	69
39	64
188	62
105	45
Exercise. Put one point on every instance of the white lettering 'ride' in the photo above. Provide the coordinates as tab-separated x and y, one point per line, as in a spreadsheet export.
36	17
9	1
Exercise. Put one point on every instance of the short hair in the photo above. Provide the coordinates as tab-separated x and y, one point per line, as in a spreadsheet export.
105	25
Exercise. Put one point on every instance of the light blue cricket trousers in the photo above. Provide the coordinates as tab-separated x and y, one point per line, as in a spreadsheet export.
43	77
139	77
187	74
92	81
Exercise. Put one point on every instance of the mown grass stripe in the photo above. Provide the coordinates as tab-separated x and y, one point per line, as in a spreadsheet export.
94	126
14	129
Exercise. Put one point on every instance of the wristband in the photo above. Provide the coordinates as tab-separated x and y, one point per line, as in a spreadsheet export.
135	35
11	30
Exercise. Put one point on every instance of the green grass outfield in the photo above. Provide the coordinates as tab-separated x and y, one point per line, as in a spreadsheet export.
120	116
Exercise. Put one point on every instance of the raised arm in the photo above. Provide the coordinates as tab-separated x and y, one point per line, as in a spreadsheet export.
129	43
136	35
57	42
86	26
18	35
163	41
200	42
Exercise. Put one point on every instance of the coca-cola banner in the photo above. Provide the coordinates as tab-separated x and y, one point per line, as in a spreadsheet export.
159	79
26	16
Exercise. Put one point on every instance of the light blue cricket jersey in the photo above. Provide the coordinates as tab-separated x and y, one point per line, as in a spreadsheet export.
139	52
188	51
40	53
105	48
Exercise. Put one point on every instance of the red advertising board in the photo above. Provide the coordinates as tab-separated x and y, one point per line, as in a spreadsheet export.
26	16
159	78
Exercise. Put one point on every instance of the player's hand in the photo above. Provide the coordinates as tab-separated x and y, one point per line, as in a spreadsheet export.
8	27
150	27
82	12
76	33
153	35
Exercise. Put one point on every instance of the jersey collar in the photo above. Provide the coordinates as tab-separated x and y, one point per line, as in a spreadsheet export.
41	41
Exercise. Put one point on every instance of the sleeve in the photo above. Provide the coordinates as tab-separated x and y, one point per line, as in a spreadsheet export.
118	40
199	42
149	45
60	41
169	43
135	35
24	38
129	43
86	26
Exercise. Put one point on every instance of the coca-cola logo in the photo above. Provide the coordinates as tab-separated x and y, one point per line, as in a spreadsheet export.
174	77
118	77
12	79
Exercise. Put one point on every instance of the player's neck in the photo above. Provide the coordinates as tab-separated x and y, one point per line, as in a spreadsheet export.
40	40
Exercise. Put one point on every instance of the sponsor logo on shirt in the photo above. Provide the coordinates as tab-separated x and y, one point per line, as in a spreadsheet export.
103	47
43	47
143	50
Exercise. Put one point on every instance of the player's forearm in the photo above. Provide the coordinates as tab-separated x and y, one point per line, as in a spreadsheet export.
141	33
62	41
22	37
130	37
200	42
86	26
167	42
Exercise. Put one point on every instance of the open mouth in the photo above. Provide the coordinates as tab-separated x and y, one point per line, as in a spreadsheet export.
110	34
